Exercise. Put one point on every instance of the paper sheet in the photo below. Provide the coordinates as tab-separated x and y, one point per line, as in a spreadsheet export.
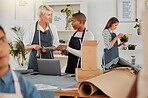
45	87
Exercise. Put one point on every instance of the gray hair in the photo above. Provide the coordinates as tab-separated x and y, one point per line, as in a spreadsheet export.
43	9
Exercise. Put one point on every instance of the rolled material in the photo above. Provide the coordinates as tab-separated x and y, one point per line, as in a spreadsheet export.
115	84
87	89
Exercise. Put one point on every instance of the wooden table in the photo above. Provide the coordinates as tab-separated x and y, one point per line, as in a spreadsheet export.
76	94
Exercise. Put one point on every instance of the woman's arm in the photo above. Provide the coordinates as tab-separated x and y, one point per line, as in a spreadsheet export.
74	51
34	46
28	37
107	39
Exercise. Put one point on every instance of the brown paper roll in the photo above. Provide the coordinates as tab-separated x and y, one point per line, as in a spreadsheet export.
115	84
87	89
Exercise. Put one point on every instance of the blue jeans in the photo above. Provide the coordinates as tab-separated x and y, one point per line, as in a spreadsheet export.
123	63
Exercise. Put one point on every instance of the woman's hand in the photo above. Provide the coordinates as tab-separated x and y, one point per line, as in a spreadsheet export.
120	35
121	44
44	50
63	52
37	47
61	47
34	46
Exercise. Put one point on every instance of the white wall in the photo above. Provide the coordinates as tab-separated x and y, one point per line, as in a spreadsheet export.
99	11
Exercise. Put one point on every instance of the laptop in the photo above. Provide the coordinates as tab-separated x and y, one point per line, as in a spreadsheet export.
49	66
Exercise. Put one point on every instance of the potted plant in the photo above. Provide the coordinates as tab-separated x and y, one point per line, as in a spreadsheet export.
124	38
68	12
17	50
137	26
124	47
131	47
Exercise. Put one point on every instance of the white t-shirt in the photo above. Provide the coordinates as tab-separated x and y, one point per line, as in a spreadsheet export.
29	35
87	36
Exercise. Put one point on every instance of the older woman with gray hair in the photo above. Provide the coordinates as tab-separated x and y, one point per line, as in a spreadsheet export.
41	34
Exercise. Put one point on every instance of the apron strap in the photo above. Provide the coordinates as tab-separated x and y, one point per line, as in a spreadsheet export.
50	33
75	33
83	35
39	38
109	31
78	62
16	83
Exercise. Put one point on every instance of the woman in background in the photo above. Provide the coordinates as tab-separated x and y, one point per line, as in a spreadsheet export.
41	34
111	57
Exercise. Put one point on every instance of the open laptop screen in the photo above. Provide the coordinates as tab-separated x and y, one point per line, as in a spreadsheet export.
49	66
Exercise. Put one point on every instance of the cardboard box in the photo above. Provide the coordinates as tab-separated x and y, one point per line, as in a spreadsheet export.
89	55
82	75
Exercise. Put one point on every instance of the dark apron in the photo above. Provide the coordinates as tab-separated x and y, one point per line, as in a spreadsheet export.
111	54
72	59
46	41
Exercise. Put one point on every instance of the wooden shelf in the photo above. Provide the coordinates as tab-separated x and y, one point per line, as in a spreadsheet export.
66	31
136	50
60	56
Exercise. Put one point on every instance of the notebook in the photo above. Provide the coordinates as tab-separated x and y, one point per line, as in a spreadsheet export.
49	66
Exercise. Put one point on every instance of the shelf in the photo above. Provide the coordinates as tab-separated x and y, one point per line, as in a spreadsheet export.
60	56
66	44
131	51
62	2
138	53
66	31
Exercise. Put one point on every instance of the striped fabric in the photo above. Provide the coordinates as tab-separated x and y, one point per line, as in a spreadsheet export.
107	39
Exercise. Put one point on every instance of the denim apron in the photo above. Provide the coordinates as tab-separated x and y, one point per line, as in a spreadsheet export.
46	39
72	59
110	55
